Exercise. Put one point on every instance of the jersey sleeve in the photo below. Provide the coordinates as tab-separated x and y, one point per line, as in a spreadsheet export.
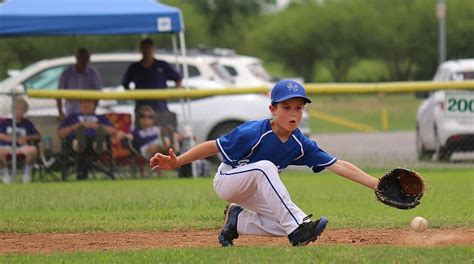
103	120
68	121
314	157
235	145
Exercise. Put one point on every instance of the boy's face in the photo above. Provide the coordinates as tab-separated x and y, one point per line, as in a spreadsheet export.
147	119
87	107
20	112
287	114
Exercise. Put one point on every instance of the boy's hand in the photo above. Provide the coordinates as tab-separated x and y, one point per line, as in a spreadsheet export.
21	140
90	124
164	162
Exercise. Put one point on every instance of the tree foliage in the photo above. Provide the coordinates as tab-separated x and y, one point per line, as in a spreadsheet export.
306	37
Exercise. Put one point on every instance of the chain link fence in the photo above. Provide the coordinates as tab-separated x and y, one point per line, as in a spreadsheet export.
376	131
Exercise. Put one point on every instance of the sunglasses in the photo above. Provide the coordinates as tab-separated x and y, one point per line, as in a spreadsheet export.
147	116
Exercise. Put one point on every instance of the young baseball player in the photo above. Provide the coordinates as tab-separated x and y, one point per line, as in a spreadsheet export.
25	131
85	132
253	155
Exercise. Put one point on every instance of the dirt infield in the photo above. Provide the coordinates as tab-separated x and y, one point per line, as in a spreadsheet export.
71	242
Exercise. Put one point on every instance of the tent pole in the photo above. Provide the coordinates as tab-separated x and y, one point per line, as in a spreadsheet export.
182	45
179	67
175	51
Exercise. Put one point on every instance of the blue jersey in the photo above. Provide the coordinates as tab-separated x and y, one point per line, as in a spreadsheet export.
145	136
255	141
23	128
80	118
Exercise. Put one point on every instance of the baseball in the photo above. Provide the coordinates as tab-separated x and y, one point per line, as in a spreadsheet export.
419	224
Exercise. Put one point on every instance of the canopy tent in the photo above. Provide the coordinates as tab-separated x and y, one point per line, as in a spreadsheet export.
87	17
91	17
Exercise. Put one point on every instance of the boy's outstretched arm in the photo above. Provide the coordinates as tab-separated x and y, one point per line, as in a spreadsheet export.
170	161
352	172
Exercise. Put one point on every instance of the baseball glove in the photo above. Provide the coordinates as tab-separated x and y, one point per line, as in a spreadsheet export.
400	188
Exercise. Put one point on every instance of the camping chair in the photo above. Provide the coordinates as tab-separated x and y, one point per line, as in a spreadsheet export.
41	168
95	162
49	148
122	153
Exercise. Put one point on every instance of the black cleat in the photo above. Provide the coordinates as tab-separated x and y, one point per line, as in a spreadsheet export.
308	232
229	232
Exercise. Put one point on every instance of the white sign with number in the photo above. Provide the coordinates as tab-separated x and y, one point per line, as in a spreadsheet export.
164	24
459	103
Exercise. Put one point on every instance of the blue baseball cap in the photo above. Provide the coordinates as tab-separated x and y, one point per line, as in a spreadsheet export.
286	89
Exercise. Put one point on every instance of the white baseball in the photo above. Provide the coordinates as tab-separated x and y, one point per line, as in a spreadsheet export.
419	224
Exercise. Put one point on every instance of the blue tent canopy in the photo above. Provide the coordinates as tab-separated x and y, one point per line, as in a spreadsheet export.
87	17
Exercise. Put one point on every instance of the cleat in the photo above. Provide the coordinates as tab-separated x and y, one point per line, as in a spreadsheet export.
308	232
229	232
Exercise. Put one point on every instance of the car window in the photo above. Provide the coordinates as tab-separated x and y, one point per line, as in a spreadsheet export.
221	72
460	76
111	73
260	72
193	71
45	80
232	71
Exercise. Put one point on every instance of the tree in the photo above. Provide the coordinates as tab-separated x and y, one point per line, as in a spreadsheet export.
404	36
290	37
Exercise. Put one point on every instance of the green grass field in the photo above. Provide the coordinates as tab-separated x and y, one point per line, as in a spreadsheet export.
401	111
166	204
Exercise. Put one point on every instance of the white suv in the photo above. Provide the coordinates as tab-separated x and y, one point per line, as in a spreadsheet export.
210	116
445	120
246	71
204	73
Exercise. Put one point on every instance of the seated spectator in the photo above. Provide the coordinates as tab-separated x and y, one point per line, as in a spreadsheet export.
86	133
25	132
148	137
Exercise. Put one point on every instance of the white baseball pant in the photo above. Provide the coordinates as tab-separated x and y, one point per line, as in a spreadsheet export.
257	188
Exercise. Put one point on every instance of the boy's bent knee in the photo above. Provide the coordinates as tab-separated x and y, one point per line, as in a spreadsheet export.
267	166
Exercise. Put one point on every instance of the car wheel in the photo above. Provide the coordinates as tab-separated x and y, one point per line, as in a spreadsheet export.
442	153
422	153
219	130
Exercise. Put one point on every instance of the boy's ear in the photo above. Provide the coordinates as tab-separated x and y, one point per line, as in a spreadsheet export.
272	108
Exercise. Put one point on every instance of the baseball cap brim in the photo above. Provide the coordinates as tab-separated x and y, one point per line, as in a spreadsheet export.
306	99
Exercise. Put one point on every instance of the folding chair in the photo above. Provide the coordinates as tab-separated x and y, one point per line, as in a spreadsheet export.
122	153
49	148
88	157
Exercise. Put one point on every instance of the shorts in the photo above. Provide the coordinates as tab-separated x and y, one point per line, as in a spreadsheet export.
19	149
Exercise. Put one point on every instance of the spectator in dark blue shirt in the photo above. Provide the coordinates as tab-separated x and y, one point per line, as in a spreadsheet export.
85	132
150	73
